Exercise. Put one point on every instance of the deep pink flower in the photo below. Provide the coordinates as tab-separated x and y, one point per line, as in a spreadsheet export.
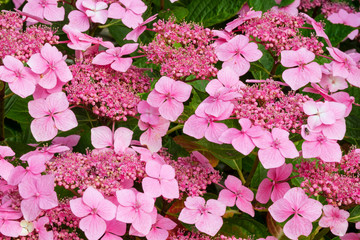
135	34
114	57
130	14
237	53
51	64
351	236
51	114
305	72
21	79
237	193
274	148
136	208
335	219
153	133
102	137
94	210
38	194
169	95
160	181
276	189
305	210
242	140
205	216
47	9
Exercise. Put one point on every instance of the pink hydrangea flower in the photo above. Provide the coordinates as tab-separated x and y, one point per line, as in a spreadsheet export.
129	12
305	72
357	225
331	82
44	153
41	229
135	34
169	95
51	114
153	133
242	140
114	229
304	210
21	79
19	174
318	27
38	194
148	113
238	53
291	9
160	181
114	57
8	226
237	193
317	145
335	219
6	151
274	148
349	19
276	188
51	64
243	16
135	208
69	141
206	216
47	9
94	210
102	137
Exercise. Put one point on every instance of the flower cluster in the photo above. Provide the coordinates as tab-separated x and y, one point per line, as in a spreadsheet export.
327	7
182	50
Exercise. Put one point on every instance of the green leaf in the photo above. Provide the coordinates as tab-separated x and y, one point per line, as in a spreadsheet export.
19	110
243	226
262	68
355	215
262	5
199	85
260	174
211	12
285	3
353	120
337	32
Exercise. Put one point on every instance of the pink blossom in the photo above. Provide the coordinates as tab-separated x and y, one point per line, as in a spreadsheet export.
136	208
318	27
205	216
291	9
331	82
357	225
69	141
135	34
317	145
5	170
351	236
305	72
6	151
21	79
242	140
242	18
19	174
38	194
153	133
237	193
223	37
114	229
51	64
274	148
344	98
169	95
9	227
51	114
305	210
148	113
114	57
276	189
237	53
146	155
130	14
349	19
41	229
94	210
201	124
335	219
44	153
102	137
47	9
160	181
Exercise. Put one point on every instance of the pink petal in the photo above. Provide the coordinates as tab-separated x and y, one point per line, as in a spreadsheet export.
37	63
126	214
30	209
103	58
65	120
57	102
5	169
92	197
79	20
63	72
143	223
245	206
209	224
151	187
297	226
78	208
279	191
195	126
229	135
155	98
281	210
171	109
264	191
215	207
131	20
189	216
106	210
251	52
181	91
122	139
228	77
48	201
101	137
121	64
126	197
167	172
271	158
330	152
170	188
43	129
214	131
93	226
116	11
243	144
53	13
310	209
11	228
227	197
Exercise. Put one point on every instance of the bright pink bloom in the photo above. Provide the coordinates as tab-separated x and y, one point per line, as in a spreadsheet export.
242	140
237	193
305	72
237	53
276	189
305	210
44	153
51	64
19	174
41	229
136	208
152	136
201	124
291	9
169	95
223	37
130	14
114	57
38	194
317	145
9	227
148	113
160	181
21	79
102	137
94	210
51	114
146	155
47	9
205	216
69	141
242	18
135	34
335	219
274	148
114	229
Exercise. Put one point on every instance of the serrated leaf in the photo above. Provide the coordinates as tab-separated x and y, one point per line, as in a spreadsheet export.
243	226
211	12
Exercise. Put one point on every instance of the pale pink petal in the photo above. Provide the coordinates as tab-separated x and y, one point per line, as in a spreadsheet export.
63	72
122	139
228	77
288	149
251	52
279	191
5	169
11	228
57	102
297	226
151	187
78	208
79	20
30	209
310	209
101	137
296	78
227	197
65	120
155	98
103	58
106	210
126	197
121	64
281	210
93	226
265	141
170	188
53	13
48	201
92	197
43	129
215	207
243	144
264	191
214	131
245	206
189	216
171	109
37	63
195	126
131	20
271	158
116	11
209	224
330	152
142	223
126	214
180	91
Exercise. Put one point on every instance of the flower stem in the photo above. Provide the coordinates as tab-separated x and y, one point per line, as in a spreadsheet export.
239	172
174	129
252	172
